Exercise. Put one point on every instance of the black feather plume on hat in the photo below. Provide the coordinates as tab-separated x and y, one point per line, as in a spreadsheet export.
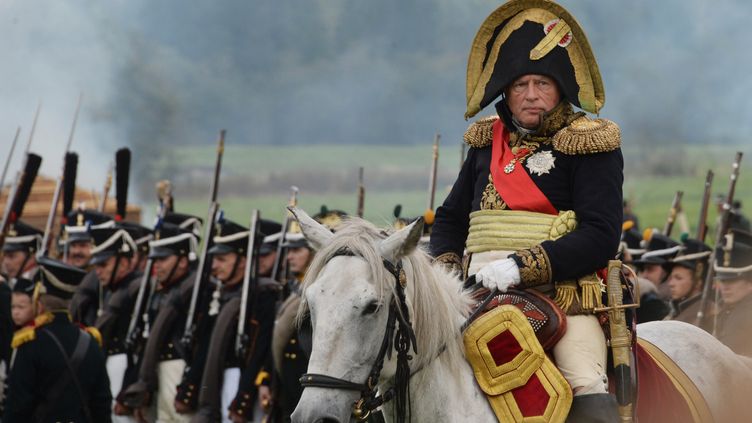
69	183
33	162
122	173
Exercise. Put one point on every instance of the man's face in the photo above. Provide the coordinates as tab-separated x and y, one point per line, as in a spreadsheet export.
13	260
21	310
228	268
529	96
298	258
79	253
105	268
163	266
680	282
266	263
735	290
654	273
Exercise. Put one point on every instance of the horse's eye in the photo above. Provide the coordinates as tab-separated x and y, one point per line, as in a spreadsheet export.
371	308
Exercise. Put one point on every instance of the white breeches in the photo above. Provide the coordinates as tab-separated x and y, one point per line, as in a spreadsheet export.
230	382
116	366
170	373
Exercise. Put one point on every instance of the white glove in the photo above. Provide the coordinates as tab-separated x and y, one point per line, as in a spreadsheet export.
500	274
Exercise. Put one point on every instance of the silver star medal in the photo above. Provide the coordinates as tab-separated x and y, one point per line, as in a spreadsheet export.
541	162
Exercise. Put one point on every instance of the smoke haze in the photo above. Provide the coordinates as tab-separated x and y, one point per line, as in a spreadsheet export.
156	75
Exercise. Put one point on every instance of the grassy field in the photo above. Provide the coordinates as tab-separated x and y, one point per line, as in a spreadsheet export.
259	177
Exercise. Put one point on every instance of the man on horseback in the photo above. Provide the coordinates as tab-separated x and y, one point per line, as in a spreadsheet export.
538	202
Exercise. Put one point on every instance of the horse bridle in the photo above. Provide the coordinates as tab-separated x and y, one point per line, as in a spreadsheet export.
399	336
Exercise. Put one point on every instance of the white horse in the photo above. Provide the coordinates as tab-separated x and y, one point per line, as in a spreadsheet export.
348	297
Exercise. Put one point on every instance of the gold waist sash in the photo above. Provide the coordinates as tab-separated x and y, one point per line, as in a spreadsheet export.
513	230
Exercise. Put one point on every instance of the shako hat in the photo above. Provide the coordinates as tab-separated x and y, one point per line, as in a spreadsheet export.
532	37
58	278
185	221
659	249
22	237
110	241
734	257
78	223
272	234
140	234
24	286
173	240
694	255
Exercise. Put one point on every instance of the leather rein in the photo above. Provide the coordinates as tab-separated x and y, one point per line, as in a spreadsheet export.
399	336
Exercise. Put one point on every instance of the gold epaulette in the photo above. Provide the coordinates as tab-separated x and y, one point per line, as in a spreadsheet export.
22	336
94	332
588	136
480	133
28	332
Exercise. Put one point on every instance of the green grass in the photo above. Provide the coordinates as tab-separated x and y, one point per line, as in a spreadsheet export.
652	176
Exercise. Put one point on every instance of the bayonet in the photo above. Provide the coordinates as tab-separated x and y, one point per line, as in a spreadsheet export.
202	272
279	259
675	208
58	186
434	169
361	193
106	189
9	158
702	225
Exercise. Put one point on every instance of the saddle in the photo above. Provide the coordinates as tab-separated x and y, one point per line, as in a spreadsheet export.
507	341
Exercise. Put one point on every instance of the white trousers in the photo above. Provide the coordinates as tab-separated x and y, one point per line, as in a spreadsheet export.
116	366
581	353
230	382
170	373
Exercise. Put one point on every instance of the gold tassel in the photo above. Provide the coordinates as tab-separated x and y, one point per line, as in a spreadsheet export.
566	294
591	292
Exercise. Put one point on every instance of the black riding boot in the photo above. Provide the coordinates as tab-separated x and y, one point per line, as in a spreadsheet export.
594	408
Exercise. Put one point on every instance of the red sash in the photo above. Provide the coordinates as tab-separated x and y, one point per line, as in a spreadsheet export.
517	189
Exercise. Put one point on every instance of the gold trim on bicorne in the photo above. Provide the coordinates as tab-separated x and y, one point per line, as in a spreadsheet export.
498	381
592	96
588	136
516	230
683	384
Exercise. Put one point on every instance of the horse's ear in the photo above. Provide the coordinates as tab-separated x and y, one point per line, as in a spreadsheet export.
402	242
316	233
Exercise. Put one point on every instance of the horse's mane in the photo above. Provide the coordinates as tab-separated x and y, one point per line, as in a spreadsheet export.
434	295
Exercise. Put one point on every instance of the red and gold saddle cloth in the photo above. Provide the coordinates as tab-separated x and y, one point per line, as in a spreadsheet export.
665	393
522	384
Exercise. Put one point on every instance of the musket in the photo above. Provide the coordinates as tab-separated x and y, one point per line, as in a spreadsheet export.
106	189
279	259
702	225
675	207
202	270
19	193
9	158
434	169
58	186
361	193
164	194
720	233
248	292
